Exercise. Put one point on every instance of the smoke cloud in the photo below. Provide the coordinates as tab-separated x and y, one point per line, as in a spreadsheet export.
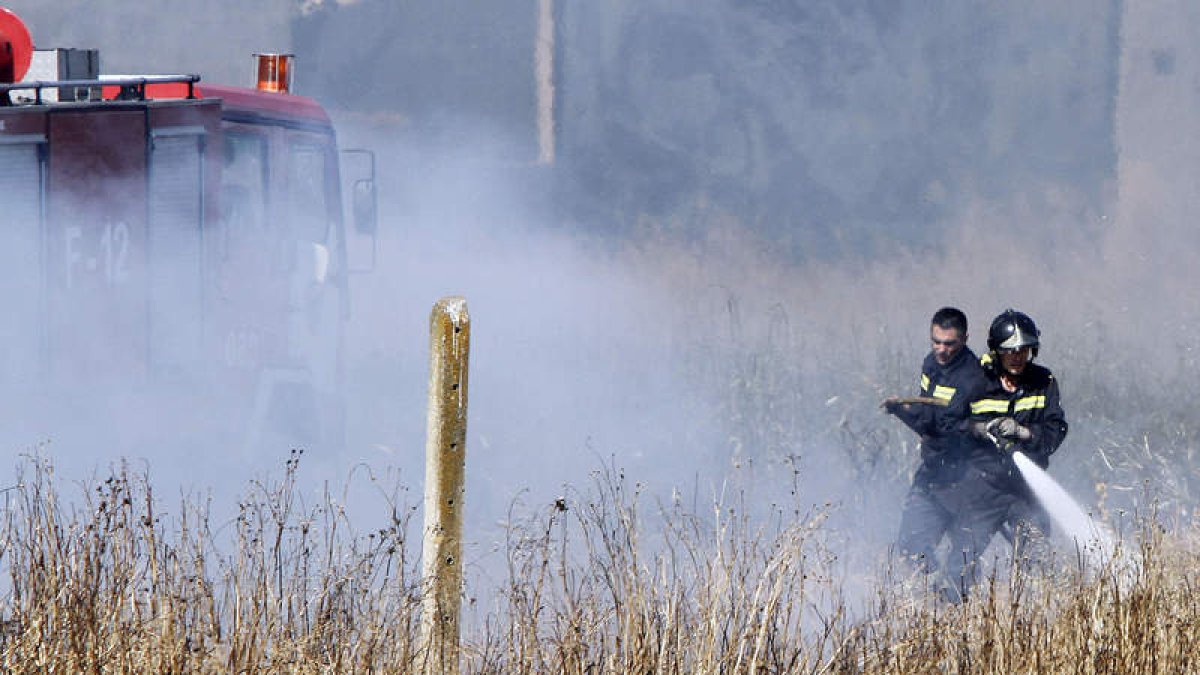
754	211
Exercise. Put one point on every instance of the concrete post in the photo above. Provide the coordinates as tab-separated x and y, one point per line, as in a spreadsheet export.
445	460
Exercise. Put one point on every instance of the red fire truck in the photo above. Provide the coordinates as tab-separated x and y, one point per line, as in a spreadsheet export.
173	248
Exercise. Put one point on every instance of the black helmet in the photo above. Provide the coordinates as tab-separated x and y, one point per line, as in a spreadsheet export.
1013	330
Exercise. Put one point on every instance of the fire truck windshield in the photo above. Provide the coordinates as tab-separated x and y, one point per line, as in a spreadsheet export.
244	186
309	208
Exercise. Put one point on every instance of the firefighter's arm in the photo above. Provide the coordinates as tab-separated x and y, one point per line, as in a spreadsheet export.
914	416
956	417
1047	433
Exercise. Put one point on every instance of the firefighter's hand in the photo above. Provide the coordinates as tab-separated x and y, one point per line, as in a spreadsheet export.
1006	446
1007	427
892	405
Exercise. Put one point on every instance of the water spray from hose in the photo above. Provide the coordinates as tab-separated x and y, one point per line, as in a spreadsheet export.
1092	539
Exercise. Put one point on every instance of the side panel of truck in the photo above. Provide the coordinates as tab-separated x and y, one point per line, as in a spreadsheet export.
96	234
176	253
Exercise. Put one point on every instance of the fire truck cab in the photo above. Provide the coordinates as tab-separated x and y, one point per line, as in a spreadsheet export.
178	245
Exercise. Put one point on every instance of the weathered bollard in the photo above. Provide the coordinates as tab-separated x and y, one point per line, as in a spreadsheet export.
445	461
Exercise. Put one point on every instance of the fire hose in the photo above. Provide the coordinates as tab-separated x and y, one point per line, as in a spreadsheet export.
925	400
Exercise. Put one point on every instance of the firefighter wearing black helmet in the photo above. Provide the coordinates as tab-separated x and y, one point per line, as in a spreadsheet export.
1019	410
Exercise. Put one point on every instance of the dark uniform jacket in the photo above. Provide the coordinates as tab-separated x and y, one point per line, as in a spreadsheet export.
1035	405
943	431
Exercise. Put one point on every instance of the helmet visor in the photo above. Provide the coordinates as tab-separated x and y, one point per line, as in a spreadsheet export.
1017	340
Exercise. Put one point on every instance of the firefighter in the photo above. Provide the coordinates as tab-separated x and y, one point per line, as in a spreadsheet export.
1018	411
951	376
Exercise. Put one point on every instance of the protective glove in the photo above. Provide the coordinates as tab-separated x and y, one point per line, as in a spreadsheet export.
891	405
979	430
990	432
1007	427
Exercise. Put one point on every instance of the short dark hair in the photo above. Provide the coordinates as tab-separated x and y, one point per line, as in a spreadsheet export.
950	317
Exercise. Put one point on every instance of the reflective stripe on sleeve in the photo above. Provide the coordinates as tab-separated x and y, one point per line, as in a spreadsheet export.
989	405
924	382
944	393
1030	403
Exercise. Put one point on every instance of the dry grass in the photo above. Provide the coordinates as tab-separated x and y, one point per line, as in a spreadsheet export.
596	583
107	583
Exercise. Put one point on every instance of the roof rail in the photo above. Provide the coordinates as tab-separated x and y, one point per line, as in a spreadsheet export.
133	87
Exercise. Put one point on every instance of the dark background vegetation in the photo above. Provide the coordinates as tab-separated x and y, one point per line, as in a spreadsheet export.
825	126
